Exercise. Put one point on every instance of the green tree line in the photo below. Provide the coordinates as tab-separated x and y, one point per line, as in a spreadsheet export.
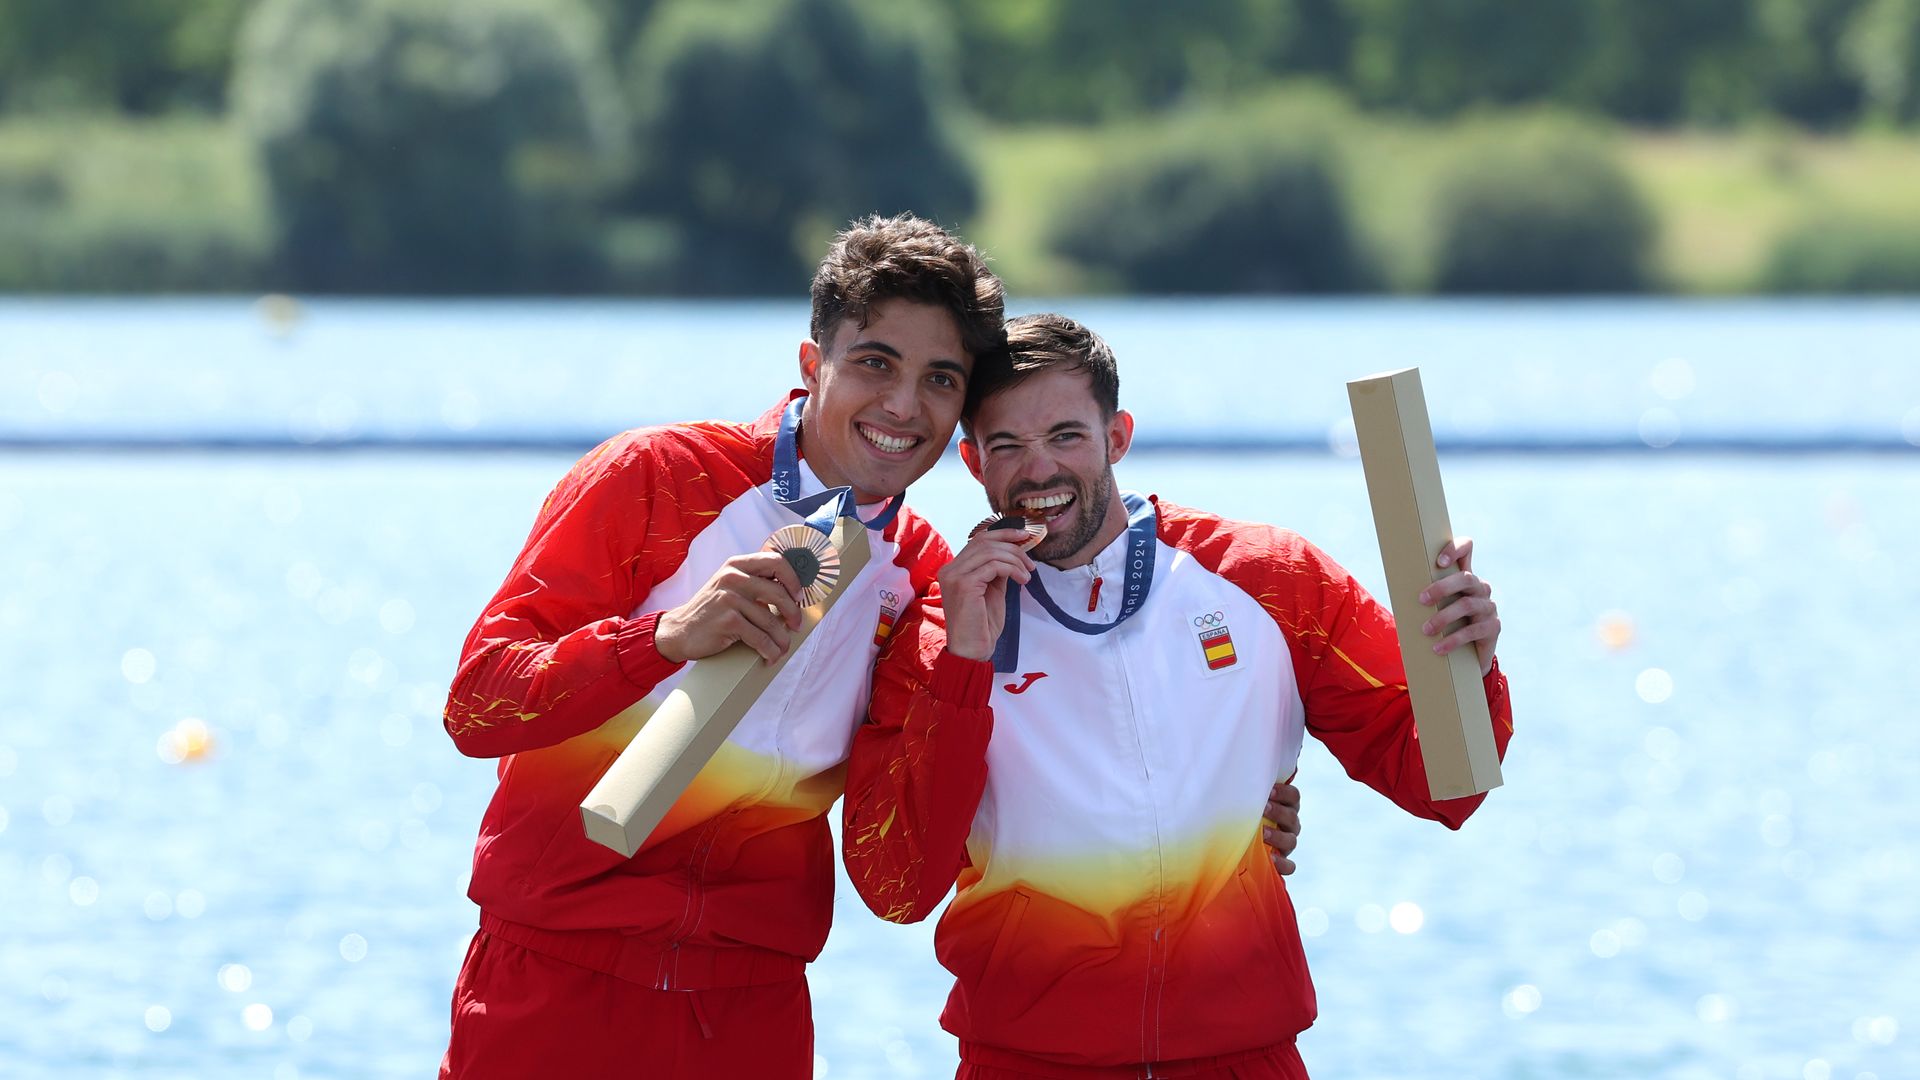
707	146
1824	63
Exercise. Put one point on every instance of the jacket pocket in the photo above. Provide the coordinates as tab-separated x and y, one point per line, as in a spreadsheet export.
1264	908
1270	905
1004	939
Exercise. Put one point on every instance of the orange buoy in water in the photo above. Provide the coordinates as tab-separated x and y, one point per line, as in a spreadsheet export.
188	740
1615	630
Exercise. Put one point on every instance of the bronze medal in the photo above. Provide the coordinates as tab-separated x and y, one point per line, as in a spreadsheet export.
1036	529
812	557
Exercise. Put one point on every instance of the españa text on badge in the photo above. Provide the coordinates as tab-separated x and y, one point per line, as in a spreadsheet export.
1410	515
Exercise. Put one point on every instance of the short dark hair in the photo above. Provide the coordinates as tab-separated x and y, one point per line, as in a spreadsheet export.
879	258
1037	343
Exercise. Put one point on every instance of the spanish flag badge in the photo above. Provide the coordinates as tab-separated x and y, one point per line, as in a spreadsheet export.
1217	646
889	611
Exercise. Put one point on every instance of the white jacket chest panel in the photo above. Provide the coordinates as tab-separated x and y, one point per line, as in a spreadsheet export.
1130	753
807	716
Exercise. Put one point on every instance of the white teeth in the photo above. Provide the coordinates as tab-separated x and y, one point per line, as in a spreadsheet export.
1045	503
888	443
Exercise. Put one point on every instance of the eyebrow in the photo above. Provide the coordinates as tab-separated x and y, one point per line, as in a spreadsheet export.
942	364
1064	425
874	346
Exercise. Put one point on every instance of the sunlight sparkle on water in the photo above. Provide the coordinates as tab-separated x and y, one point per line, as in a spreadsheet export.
235	978
1406	917
1659	427
1370	918
1313	922
1653	685
1669	868
1522	1000
138	665
1881	1030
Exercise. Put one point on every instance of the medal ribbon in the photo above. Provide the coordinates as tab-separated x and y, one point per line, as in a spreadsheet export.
1137	574
819	510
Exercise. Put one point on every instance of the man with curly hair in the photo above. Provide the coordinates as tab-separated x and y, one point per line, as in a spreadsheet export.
689	958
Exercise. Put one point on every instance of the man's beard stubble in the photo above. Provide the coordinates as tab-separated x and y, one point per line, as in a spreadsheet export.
1092	507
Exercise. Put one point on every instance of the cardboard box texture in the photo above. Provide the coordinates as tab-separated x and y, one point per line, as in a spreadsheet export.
1410	516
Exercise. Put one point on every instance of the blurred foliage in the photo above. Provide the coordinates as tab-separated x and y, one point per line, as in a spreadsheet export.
1439	58
195	221
1642	61
710	146
136	56
1098	59
1823	62
1883	50
765	125
1540	206
415	147
1220	203
1839	254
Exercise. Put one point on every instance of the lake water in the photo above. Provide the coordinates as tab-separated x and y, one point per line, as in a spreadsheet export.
234	840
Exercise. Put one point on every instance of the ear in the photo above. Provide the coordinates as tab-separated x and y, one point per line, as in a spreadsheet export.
1119	436
970	455
810	359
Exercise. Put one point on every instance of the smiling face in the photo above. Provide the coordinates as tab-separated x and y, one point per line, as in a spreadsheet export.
1045	445
883	398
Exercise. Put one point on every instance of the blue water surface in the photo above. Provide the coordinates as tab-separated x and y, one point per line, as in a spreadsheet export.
1703	862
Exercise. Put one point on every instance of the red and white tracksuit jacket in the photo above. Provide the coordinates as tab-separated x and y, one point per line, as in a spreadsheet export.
735	887
1100	805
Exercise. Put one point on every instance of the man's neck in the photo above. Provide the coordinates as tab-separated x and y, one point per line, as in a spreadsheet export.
823	469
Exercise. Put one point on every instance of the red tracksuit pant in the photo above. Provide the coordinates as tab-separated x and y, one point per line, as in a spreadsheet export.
1272	1063
520	1014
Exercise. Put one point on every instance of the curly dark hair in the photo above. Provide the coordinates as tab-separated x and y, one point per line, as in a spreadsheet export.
1037	343
886	258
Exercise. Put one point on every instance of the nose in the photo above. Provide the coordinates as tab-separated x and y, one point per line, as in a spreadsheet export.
900	401
1037	465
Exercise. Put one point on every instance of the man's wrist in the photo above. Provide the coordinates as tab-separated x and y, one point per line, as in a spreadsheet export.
637	647
961	680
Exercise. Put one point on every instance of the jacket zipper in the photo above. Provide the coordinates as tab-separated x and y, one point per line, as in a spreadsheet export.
1156	960
691	921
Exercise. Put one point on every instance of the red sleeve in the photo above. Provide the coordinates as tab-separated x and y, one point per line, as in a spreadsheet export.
917	768
555	654
1346	656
